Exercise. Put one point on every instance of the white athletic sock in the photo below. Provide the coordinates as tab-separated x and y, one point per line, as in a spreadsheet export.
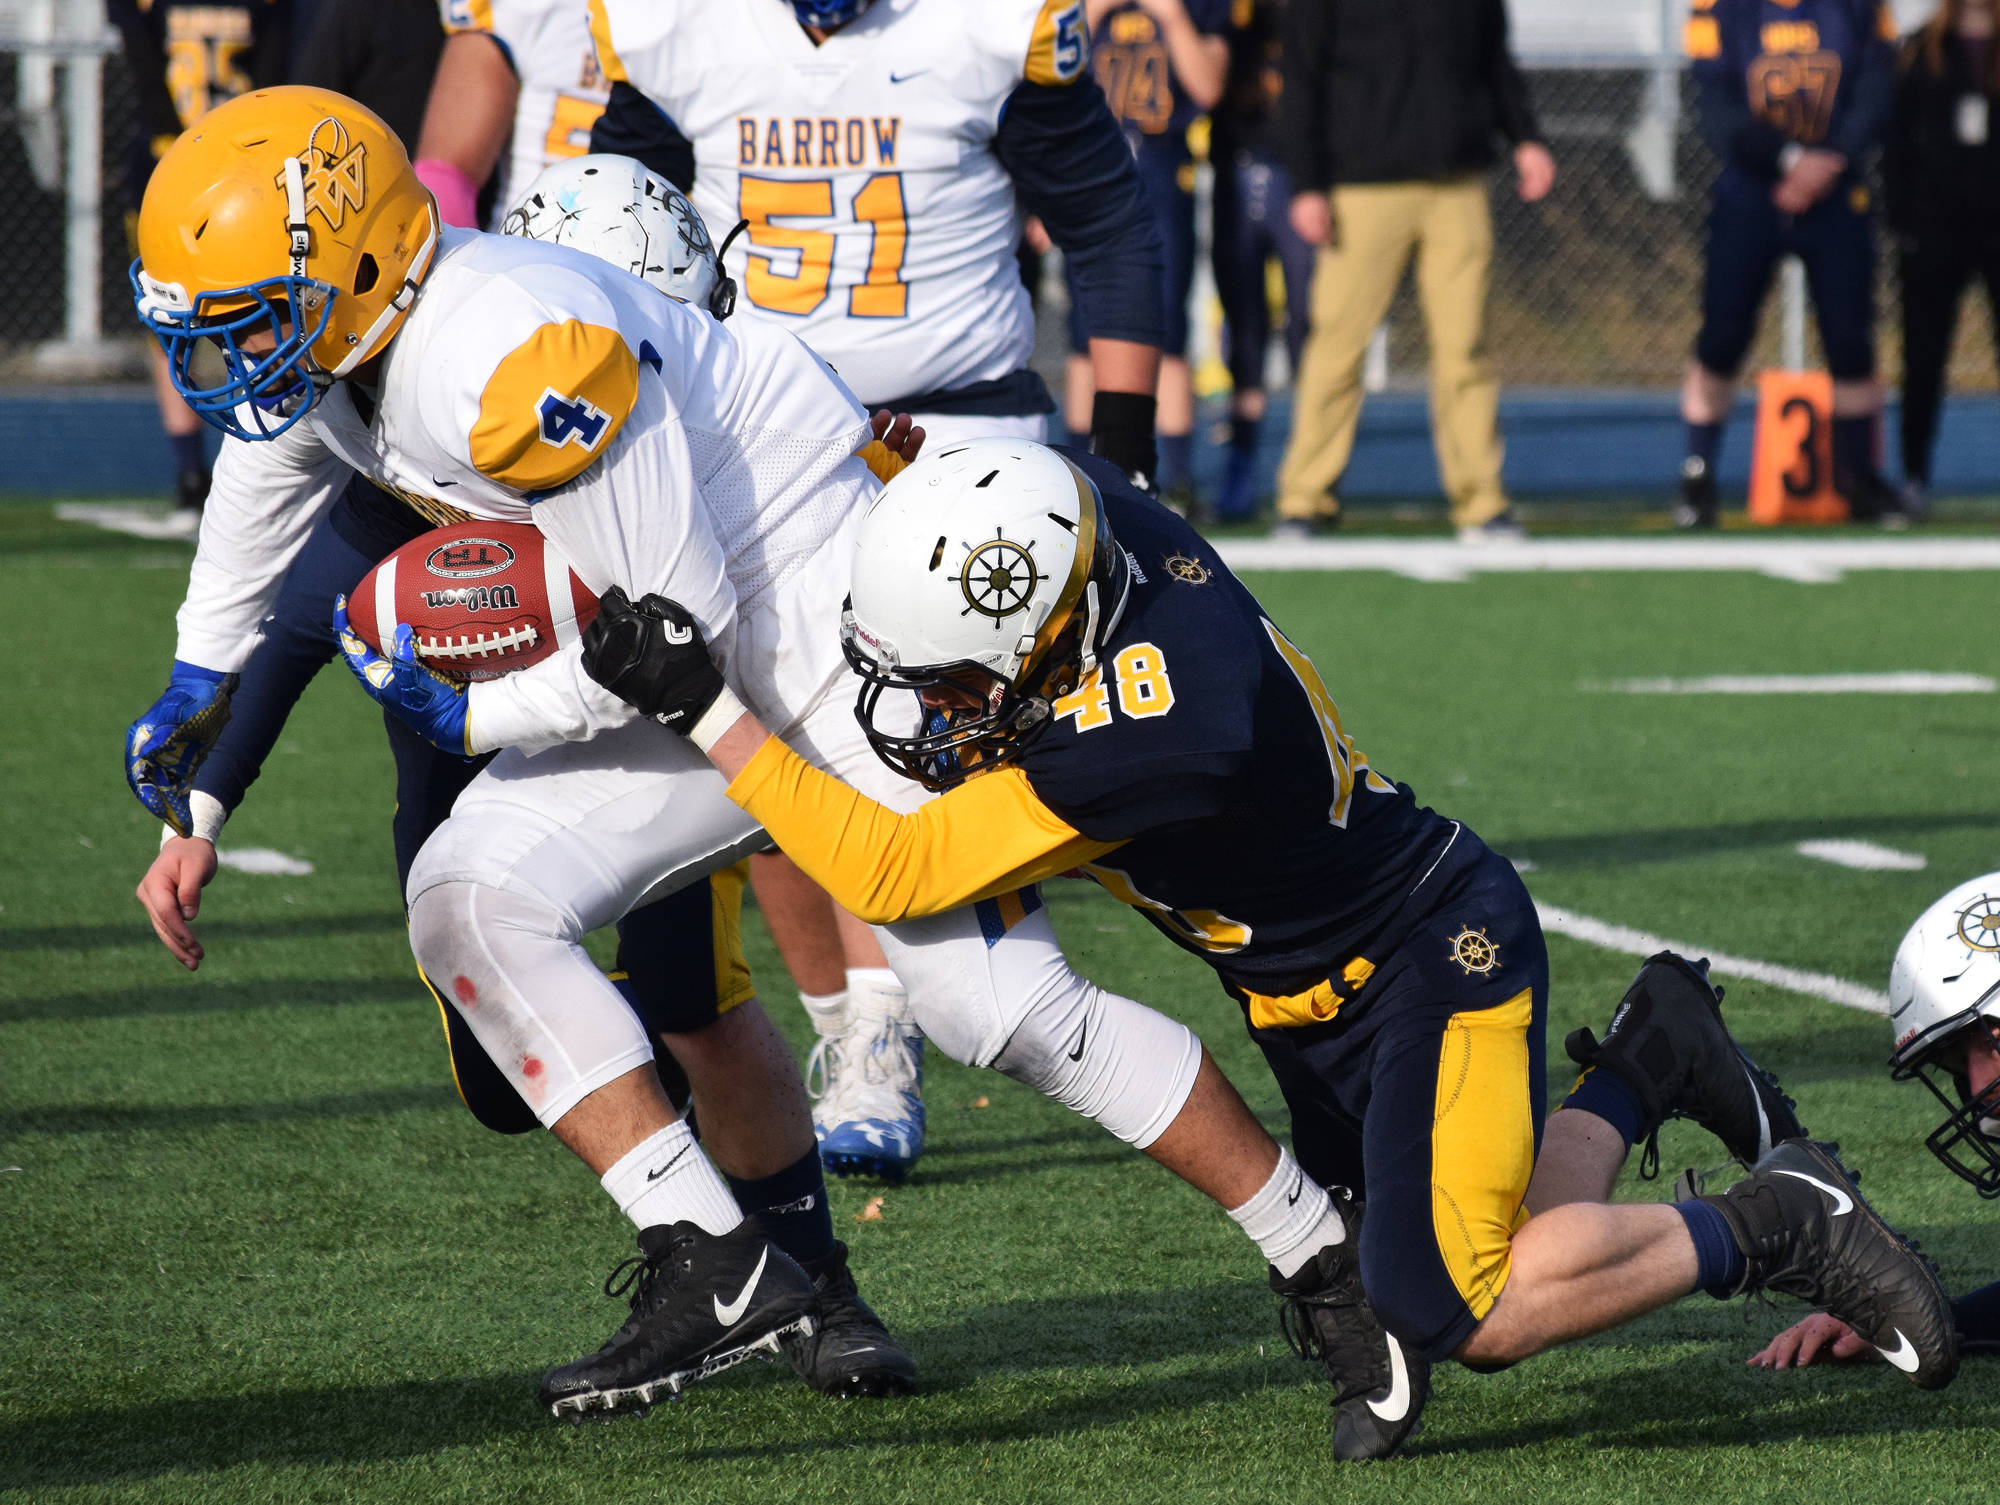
874	991
828	1012
1291	1219
667	1179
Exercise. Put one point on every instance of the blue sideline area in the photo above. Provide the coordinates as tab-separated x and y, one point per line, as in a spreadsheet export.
106	441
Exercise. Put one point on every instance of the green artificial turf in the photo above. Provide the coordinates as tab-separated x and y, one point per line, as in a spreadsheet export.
251	1247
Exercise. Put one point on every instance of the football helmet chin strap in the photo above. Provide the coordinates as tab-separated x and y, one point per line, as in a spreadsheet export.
301	246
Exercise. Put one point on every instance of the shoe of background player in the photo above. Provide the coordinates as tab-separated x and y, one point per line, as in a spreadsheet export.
1379	1386
1916	500
1181	499
1699	503
849	1351
1504	529
870	1115
1298	529
701	1302
1870	499
191	490
1668	1043
1805	1231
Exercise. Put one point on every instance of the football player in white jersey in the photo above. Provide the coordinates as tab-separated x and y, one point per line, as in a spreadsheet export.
882	155
517	88
503	378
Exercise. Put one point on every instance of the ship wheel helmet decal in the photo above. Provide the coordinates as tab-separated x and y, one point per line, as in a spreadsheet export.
999	578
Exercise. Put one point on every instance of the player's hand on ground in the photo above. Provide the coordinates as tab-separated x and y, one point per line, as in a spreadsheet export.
165	747
898	433
171	893
652	656
1817	1339
1312	217
428	702
1536	168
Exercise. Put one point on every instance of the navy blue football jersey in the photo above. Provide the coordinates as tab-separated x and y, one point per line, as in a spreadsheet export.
1795	62
1128	54
1256	834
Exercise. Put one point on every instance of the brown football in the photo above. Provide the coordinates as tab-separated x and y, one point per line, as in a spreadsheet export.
481	599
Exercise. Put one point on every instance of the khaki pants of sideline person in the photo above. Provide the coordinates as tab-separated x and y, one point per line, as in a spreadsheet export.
1377	226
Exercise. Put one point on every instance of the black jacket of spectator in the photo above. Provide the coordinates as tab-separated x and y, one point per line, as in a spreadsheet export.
381	52
1938	184
1398	91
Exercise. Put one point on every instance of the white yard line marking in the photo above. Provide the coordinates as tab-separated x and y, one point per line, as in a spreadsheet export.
1809	561
1864	855
1907	682
1578	927
263	862
139	521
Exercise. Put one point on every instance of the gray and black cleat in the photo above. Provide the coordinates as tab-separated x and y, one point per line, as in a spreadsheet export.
849	1352
701	1303
1806	1231
1379	1386
1667	1042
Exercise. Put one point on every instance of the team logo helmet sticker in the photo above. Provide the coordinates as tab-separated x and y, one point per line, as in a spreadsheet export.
1473	951
999	578
336	173
1979	924
1187	569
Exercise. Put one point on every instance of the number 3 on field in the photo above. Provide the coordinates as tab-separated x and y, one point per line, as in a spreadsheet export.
879	205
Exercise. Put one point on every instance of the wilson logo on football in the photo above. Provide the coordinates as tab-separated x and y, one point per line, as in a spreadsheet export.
476	598
469	558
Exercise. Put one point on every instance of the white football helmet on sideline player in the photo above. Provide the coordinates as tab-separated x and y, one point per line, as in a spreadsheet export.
620	212
1944	984
1028	597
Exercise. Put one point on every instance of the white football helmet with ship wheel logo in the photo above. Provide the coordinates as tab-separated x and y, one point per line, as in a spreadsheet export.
1945	982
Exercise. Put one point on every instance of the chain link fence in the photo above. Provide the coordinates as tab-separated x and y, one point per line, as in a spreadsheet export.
1596	287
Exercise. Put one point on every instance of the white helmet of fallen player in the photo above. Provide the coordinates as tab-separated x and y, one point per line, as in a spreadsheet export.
988	569
619	211
1945	983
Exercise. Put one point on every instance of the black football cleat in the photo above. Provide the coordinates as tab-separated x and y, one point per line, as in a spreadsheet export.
701	1303
1379	1386
849	1352
1805	1231
1667	1041
1697	504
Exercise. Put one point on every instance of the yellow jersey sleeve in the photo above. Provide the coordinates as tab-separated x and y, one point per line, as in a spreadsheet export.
989	836
466	15
609	63
1058	44
882	461
553	404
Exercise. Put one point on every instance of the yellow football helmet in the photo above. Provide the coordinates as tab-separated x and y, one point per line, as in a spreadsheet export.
291	212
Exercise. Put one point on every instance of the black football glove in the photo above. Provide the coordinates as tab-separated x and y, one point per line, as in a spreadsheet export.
652	657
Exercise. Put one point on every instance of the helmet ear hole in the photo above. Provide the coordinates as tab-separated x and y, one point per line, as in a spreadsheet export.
366	273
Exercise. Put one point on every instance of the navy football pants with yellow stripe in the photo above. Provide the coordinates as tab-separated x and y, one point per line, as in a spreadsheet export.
1424	1094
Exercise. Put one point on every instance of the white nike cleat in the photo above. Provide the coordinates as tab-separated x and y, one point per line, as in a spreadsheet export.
701	1303
1379	1386
1805	1230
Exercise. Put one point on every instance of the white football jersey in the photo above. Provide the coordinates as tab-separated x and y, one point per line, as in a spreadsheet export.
562	91
660	449
882	227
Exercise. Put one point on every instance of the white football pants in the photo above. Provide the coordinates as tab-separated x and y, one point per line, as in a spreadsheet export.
540	851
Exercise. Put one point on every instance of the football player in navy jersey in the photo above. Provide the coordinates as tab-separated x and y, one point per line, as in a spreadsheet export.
1095	690
1794	95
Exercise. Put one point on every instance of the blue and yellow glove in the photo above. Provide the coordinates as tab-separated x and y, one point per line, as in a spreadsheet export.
165	747
429	703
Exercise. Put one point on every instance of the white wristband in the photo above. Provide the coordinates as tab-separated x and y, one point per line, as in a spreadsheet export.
205	819
723	713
